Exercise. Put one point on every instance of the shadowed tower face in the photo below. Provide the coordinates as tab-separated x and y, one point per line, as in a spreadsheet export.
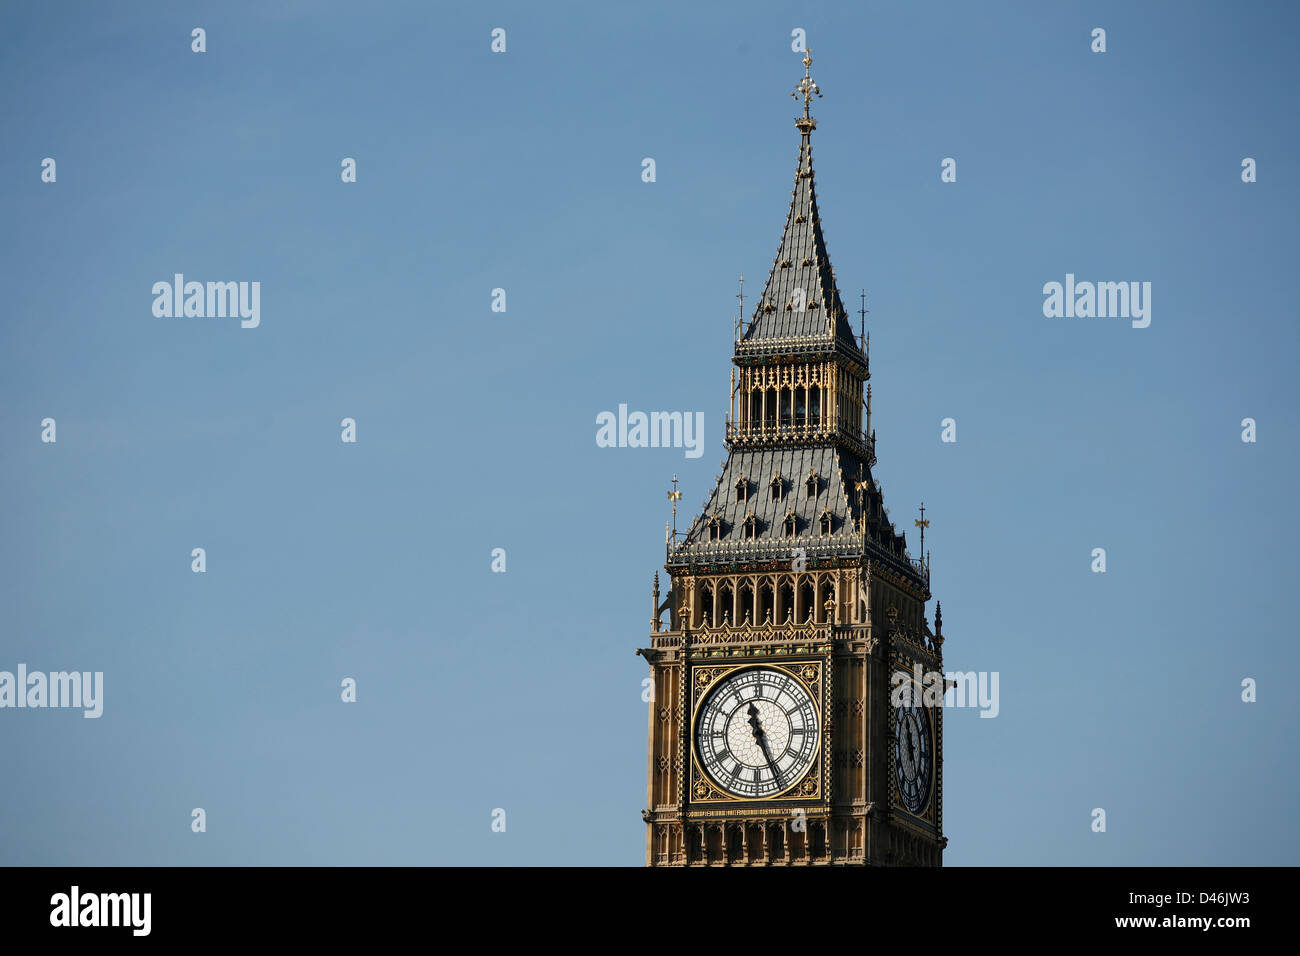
782	730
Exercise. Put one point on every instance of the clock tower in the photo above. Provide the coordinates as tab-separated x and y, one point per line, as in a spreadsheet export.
786	723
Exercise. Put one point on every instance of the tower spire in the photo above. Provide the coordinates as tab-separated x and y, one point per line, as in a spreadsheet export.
800	302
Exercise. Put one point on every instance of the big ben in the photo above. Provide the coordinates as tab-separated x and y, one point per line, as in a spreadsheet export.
785	724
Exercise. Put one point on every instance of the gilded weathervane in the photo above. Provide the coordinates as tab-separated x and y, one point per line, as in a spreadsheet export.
674	496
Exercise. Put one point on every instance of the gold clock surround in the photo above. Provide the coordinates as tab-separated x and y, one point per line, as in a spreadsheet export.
811	785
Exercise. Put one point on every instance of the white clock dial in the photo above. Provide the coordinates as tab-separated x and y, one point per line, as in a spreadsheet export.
756	732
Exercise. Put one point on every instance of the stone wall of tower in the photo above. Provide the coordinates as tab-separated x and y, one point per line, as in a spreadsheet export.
853	825
665	735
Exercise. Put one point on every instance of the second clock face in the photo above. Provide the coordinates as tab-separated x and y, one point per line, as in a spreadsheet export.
756	733
912	754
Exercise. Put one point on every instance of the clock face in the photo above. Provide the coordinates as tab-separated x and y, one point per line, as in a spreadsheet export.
913	766
756	733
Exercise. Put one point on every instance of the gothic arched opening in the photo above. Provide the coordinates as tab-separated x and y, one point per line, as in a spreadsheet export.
726	605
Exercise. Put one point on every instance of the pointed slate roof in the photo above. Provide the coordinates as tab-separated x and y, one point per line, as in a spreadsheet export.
801	263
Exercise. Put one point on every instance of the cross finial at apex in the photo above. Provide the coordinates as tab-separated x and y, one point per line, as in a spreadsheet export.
807	87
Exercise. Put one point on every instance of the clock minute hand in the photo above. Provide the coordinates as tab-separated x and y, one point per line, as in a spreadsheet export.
761	739
776	774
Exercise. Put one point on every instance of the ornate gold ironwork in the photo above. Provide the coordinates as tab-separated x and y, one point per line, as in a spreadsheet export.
807	87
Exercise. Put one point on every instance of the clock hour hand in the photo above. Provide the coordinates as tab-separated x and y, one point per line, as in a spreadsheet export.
755	725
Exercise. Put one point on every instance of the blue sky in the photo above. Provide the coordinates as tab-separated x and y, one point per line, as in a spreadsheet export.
476	429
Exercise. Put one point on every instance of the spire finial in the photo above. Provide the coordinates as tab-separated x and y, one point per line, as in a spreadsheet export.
807	88
922	524
862	328
674	496
740	316
654	606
